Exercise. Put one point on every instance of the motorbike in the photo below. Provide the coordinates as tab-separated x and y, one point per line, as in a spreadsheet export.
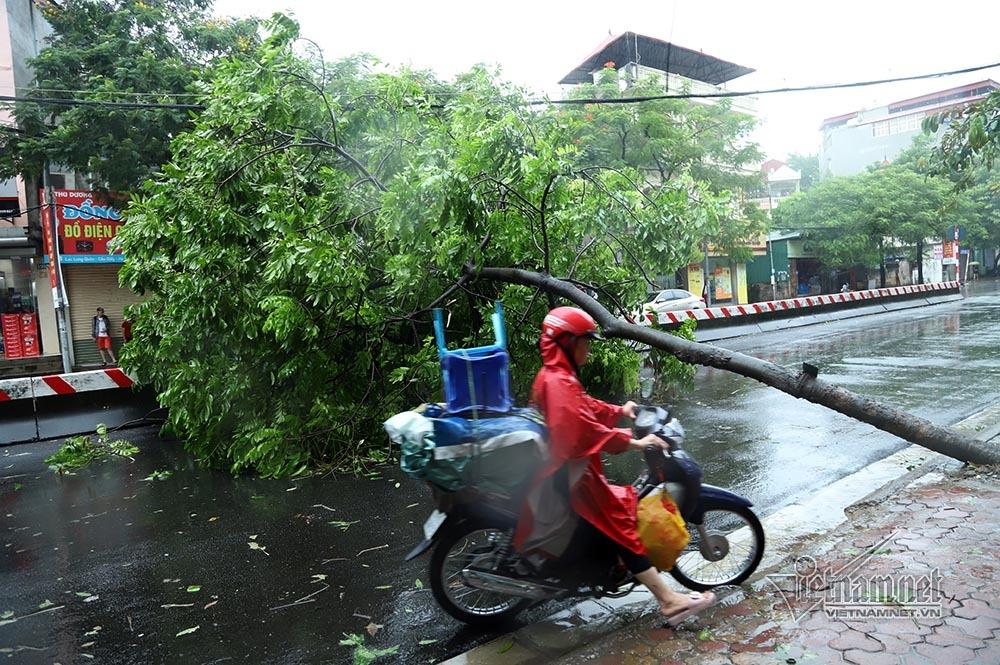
478	578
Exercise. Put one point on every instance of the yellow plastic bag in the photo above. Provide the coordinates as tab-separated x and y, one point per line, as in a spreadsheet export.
661	528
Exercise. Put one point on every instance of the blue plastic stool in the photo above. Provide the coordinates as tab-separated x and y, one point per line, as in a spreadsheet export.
476	381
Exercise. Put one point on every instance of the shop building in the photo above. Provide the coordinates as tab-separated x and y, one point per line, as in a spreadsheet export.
86	223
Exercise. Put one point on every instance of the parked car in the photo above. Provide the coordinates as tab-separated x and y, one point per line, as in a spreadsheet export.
672	300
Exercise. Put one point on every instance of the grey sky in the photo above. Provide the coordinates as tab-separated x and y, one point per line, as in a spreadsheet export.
788	43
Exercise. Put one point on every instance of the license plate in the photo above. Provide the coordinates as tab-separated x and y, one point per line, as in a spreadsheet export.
433	523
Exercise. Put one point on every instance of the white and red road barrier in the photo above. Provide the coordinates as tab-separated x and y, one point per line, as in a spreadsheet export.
802	302
63	384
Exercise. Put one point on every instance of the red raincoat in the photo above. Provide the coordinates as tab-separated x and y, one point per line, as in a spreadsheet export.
580	428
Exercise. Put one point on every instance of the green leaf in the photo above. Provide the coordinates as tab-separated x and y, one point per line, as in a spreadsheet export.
187	631
194	588
418	584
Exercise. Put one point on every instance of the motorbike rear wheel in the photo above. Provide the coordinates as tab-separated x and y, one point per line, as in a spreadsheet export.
464	544
741	536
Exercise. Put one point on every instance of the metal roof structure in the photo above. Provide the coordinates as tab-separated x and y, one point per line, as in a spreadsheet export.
630	47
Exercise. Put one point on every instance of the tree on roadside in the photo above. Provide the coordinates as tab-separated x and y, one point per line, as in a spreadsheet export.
116	51
808	168
967	155
859	220
292	246
669	139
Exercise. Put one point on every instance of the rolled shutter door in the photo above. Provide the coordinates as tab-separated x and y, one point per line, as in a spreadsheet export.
89	287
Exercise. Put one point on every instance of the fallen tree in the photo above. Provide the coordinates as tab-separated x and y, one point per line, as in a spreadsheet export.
803	385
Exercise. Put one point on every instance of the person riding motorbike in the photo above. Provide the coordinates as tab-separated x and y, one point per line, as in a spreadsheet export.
571	505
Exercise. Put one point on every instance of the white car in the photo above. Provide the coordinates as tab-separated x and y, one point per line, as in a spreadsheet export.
673	300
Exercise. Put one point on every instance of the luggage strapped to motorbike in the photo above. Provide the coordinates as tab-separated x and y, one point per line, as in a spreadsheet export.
496	449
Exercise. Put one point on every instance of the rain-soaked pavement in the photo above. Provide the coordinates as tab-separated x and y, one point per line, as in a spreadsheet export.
114	566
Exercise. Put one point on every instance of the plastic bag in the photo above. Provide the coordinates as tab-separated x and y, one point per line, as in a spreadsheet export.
661	528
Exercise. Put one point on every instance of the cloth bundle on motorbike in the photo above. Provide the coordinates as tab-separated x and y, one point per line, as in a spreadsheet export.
492	455
661	528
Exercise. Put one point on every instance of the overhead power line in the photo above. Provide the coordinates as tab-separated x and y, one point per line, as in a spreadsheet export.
59	101
769	91
722	94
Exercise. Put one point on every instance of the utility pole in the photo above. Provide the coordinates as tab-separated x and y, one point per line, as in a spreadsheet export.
51	231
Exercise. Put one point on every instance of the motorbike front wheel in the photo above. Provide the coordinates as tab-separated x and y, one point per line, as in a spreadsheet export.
467	544
735	547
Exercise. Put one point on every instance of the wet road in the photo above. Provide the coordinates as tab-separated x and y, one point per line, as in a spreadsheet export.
109	565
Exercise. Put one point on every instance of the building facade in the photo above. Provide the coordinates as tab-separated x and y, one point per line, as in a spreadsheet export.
854	141
28	334
680	68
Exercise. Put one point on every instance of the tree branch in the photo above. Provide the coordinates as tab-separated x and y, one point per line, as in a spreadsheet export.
545	235
800	385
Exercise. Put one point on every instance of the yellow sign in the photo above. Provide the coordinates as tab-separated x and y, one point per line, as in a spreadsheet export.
695	283
723	283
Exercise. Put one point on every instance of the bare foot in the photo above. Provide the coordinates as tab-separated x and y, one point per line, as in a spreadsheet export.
682	606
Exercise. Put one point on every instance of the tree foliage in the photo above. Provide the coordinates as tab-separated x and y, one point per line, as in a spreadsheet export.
105	50
291	247
808	168
967	155
971	139
670	139
860	219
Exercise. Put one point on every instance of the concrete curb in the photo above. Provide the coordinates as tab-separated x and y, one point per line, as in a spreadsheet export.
787	530
771	308
729	328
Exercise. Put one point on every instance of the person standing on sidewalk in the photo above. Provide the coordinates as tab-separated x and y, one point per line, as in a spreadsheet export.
571	506
101	332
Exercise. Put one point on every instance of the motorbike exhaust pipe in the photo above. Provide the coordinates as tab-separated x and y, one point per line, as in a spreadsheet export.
510	586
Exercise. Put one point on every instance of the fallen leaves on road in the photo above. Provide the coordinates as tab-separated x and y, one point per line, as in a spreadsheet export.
169	605
188	631
194	588
208	605
371	549
372	628
342	525
158	475
254	545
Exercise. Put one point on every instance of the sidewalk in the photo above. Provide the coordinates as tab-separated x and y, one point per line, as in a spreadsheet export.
940	529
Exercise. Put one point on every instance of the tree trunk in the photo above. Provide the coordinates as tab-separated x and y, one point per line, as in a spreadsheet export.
920	262
881	265
802	385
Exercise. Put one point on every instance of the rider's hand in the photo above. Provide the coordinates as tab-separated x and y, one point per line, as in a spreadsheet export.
649	440
628	409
